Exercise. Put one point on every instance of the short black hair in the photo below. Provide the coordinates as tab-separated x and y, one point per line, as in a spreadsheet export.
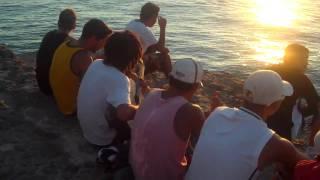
295	52
97	28
122	50
296	49
67	19
179	85
149	10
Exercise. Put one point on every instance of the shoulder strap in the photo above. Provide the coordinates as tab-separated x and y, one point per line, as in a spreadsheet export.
253	173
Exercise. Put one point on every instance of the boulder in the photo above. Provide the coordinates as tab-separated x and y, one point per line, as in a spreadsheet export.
5	52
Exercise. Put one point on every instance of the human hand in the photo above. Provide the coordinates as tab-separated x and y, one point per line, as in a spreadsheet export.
302	104
162	22
132	75
164	50
145	88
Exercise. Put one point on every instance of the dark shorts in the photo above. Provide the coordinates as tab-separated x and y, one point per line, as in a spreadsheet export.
123	131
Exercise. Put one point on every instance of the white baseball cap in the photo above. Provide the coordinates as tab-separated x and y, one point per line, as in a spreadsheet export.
265	87
188	71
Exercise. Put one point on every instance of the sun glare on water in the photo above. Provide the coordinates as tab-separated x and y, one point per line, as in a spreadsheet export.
276	12
277	17
268	52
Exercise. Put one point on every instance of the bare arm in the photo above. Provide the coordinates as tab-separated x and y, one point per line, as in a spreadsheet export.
188	121
314	130
315	126
162	39
280	150
310	93
160	46
80	63
156	47
126	112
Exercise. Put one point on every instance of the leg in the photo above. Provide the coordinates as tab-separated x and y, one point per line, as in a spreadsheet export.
123	131
314	129
166	65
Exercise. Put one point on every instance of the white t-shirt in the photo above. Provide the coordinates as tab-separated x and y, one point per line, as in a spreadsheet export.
143	32
229	145
101	86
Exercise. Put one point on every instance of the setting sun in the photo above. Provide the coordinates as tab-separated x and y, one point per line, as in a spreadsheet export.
275	12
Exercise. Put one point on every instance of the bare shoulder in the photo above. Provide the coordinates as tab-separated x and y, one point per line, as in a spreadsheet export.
80	62
281	150
281	145
189	120
81	55
192	114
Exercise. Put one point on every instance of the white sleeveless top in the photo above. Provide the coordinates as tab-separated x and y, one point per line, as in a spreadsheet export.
229	145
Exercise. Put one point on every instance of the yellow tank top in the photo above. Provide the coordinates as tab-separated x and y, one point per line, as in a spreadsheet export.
65	84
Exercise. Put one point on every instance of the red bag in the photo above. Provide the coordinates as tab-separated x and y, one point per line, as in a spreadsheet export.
307	170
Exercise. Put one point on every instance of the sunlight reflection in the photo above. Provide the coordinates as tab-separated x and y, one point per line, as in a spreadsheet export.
276	12
267	51
277	18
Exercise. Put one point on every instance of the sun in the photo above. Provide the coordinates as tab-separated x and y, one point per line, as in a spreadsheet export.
275	12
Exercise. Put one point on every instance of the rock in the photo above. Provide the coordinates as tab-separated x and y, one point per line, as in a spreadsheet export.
3	104
37	141
5	52
228	86
6	147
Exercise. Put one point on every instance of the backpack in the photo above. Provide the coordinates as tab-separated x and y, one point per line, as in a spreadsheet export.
307	170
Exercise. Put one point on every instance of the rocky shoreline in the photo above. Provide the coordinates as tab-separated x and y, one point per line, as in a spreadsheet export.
37	142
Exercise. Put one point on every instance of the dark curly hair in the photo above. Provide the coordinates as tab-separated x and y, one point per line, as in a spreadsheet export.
96	28
122	50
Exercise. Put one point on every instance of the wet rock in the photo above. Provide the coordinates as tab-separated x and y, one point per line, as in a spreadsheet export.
3	104
5	52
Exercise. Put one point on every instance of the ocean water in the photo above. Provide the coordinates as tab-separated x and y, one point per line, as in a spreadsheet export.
237	36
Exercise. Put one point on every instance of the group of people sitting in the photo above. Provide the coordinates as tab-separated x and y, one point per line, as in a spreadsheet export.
115	106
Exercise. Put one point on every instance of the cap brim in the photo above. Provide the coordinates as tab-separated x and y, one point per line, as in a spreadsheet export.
287	89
